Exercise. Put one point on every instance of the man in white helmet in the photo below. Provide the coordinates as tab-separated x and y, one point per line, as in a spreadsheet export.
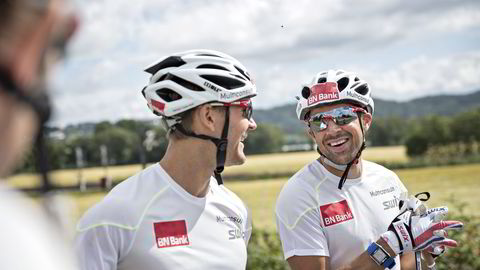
33	34
175	214
337	212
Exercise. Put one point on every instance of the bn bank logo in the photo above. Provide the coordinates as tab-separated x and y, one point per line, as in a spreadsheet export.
323	92
171	233
334	213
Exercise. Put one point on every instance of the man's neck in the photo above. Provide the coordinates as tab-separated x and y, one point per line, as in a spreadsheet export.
354	172
191	165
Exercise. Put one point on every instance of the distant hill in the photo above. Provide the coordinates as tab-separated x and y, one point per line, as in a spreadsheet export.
285	117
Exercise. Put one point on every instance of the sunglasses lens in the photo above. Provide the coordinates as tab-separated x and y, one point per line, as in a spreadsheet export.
248	112
340	116
344	119
318	124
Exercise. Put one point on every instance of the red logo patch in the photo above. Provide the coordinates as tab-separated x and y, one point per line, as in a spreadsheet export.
171	233
334	213
322	92
159	105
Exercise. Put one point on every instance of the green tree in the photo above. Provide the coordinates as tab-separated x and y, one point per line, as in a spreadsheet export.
465	127
417	145
388	131
265	139
122	145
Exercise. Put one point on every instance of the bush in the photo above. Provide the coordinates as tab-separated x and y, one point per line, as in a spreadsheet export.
467	255
417	145
265	251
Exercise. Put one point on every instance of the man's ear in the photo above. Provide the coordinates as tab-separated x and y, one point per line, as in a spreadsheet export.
367	120
204	117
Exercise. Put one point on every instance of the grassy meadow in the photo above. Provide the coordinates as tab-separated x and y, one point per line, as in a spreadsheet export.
462	181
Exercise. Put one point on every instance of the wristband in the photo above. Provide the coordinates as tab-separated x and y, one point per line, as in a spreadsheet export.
380	256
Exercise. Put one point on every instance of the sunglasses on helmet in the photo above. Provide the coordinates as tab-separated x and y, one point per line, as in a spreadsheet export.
245	104
340	116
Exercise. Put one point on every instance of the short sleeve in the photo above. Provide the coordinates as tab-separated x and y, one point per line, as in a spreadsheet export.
298	220
305	237
101	242
96	250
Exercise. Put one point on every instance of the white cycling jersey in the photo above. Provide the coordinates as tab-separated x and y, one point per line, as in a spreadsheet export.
150	222
315	218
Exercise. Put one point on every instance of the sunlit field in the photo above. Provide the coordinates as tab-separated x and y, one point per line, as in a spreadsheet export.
255	165
462	181
288	162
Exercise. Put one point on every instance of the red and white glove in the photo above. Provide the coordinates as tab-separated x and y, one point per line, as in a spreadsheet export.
410	232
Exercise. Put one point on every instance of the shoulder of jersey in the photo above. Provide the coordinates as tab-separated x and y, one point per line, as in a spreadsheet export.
226	193
125	204
374	168
301	185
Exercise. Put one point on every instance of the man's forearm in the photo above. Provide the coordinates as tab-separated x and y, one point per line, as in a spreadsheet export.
364	262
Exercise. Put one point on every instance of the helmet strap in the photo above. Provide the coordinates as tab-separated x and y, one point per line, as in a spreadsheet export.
357	156
221	144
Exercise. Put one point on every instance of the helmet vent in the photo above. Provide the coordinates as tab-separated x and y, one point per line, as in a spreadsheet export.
339	72
305	92
225	82
210	66
354	85
322	80
172	61
238	76
168	94
362	89
184	83
356	79
342	83
208	54
243	72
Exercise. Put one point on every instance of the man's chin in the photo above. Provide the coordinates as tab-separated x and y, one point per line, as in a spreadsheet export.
238	159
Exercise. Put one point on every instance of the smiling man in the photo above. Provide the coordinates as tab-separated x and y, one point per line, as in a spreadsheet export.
174	214
342	212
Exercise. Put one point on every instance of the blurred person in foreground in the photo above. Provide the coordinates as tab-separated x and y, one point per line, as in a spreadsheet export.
177	214
33	35
343	212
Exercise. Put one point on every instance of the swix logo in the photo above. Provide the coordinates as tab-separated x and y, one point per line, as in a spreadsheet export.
171	233
335	213
323	92
403	232
390	203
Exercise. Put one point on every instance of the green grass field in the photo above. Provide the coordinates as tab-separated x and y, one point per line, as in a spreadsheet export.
462	181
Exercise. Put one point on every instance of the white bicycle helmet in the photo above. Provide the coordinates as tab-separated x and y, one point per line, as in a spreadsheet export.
188	79
331	87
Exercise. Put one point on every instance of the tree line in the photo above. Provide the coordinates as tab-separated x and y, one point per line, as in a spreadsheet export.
133	142
433	135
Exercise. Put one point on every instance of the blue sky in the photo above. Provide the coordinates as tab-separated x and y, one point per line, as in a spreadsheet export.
404	49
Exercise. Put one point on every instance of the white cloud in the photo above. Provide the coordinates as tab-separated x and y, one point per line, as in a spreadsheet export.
381	39
422	76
